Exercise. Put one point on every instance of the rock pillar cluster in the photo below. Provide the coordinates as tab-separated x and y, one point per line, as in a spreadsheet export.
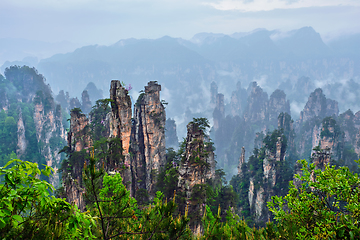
142	138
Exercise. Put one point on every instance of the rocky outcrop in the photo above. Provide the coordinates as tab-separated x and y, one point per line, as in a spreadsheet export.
269	162
197	163
51	133
196	167
142	140
148	139
78	139
310	126
263	175
121	114
78	135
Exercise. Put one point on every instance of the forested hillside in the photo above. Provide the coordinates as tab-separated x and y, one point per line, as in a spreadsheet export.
32	125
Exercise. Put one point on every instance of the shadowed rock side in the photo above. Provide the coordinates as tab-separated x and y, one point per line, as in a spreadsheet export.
197	165
121	125
148	139
78	139
260	196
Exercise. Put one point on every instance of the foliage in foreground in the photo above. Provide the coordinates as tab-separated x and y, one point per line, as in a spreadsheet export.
28	211
119	217
325	206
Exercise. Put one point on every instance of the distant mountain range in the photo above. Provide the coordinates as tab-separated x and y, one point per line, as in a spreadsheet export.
185	68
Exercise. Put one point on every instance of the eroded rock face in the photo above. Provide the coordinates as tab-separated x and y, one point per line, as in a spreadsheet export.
148	138
120	122
78	137
142	139
261	191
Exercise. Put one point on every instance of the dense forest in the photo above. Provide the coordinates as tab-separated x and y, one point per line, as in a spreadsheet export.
324	205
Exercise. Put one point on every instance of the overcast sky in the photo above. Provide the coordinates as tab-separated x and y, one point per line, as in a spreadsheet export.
107	21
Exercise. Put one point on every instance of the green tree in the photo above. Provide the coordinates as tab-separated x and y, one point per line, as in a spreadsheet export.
325	206
28	211
118	215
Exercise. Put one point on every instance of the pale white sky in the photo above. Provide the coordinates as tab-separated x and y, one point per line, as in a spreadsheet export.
107	21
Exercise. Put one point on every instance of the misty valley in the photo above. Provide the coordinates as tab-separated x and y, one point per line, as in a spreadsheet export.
253	135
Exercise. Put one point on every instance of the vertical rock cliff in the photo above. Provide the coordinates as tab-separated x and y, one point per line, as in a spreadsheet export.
120	123
148	138
78	135
196	167
78	140
198	161
40	133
